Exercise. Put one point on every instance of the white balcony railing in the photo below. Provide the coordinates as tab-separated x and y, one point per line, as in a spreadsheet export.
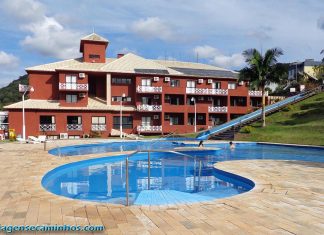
206	91
73	86
257	93
149	89
4	126
47	127
98	127
149	128
218	109
74	127
150	108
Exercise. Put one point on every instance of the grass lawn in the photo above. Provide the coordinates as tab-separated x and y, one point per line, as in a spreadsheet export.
301	123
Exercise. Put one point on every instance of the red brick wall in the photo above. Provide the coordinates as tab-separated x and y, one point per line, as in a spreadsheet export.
96	48
45	85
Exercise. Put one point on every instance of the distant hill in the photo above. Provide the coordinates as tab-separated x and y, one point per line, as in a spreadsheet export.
10	93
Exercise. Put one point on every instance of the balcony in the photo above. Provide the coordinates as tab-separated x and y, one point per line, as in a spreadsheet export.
149	108
218	109
206	91
257	93
47	127
4	126
73	87
74	127
149	129
98	127
149	89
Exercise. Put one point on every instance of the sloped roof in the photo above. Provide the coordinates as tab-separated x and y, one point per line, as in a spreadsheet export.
72	64
93	104
94	37
130	62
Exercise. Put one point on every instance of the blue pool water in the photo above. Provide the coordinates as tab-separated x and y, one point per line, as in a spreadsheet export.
175	178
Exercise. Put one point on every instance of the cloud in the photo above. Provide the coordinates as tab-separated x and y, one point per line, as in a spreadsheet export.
46	35
126	50
8	61
153	28
320	23
215	56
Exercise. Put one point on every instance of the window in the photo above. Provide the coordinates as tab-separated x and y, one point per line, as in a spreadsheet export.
232	85
46	119
98	120
146	82
3	119
74	120
146	100
70	81
216	85
121	81
118	99
127	122
174	120
191	84
175	83
71	98
146	121
238	101
94	56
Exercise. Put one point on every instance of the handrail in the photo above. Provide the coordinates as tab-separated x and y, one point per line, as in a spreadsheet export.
149	168
257	113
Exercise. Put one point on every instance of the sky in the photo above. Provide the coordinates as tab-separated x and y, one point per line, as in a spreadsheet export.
35	32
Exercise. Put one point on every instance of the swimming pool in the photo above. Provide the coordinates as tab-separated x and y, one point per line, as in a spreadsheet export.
174	177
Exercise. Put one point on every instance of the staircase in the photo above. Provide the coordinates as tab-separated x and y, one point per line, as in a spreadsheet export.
228	129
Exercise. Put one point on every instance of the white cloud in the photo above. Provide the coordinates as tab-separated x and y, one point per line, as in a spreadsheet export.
8	61
153	27
215	56
126	50
46	35
232	61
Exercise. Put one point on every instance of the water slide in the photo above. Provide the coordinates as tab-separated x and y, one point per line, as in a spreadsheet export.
252	116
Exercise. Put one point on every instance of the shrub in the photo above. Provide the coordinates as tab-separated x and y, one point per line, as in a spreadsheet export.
246	129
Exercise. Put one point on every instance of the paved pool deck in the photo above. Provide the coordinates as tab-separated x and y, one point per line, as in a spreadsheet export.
288	199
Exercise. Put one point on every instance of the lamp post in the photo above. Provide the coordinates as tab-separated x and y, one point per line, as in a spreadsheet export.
24	89
121	115
195	121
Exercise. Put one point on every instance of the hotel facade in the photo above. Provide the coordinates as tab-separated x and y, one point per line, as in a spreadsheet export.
85	96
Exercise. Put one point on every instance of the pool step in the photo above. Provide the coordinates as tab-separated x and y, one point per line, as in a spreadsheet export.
164	197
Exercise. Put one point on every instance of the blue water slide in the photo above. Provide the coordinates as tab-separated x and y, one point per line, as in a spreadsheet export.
251	116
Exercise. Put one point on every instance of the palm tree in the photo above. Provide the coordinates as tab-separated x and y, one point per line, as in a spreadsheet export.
261	70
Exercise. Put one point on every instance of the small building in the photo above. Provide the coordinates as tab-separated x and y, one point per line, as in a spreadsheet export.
86	96
305	69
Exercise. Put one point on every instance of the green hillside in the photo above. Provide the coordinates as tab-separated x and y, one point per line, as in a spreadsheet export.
301	123
10	93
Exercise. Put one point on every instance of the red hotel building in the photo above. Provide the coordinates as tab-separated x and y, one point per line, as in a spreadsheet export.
82	96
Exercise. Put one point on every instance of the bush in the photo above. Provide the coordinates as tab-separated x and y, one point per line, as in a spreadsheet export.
247	129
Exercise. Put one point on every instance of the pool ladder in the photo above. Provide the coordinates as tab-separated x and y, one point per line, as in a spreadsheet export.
196	187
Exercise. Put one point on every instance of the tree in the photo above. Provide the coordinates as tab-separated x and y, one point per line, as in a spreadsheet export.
261	70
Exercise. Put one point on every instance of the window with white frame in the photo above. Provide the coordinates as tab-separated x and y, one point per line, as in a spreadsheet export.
98	120
146	121
146	82
71	98
232	85
216	85
71	81
191	84
119	98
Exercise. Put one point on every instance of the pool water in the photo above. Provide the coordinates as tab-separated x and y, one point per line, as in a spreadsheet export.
174	177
